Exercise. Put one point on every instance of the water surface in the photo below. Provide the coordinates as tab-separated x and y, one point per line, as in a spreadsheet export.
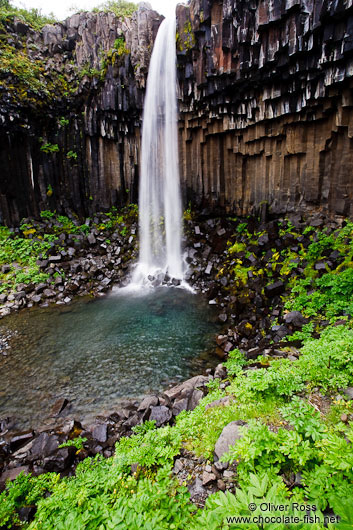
95	352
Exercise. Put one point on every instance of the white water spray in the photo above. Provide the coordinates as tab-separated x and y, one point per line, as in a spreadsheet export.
160	216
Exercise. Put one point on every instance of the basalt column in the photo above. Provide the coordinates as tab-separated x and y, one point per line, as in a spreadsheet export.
266	104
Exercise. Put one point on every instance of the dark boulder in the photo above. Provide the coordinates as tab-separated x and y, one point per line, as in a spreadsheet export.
160	415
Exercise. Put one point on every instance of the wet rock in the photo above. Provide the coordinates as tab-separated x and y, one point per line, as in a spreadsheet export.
195	399
178	465
60	459
221	466
209	268
281	331
197	490
275	289
186	388
91	239
100	432
221	339
296	319
222	402
20	439
26	513
220	371
5	269
208	478
149	401
321	266
221	354
12	474
49	293
59	406
223	317
20	295
44	445
228	437
132	421
3	298
179	405
36	298
160	415
221	485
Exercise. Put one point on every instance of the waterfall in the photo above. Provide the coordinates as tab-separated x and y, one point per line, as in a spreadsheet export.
160	210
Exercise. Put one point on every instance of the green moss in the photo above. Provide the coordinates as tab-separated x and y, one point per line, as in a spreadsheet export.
186	39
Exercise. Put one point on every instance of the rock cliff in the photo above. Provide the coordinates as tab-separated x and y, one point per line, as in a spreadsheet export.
266	107
266	103
70	112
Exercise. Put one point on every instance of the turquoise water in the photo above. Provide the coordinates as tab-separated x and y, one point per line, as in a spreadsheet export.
94	353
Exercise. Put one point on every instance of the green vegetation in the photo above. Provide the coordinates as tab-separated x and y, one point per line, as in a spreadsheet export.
21	254
64	122
120	8
71	155
185	40
25	78
50	148
296	444
20	251
33	17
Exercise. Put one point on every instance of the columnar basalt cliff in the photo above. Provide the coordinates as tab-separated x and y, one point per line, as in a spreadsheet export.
266	103
72	141
266	108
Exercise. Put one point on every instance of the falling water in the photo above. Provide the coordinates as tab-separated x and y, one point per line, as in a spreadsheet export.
159	196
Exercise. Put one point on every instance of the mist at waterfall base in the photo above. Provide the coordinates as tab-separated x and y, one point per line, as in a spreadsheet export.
160	210
96	352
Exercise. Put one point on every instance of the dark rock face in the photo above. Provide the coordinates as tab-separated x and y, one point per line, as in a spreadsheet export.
266	104
94	121
265	99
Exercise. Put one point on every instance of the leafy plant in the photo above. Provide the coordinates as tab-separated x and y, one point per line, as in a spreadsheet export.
71	154
50	148
78	443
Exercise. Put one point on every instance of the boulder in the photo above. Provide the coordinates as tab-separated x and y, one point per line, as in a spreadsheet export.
44	445
160	415
296	319
195	399
59	406
222	402
149	401
275	289
186	388
100	432
208	478
180	405
12	474
228	437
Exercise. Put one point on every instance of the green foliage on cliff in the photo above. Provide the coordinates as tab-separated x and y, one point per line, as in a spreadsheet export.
26	78
120	8
32	17
185	40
